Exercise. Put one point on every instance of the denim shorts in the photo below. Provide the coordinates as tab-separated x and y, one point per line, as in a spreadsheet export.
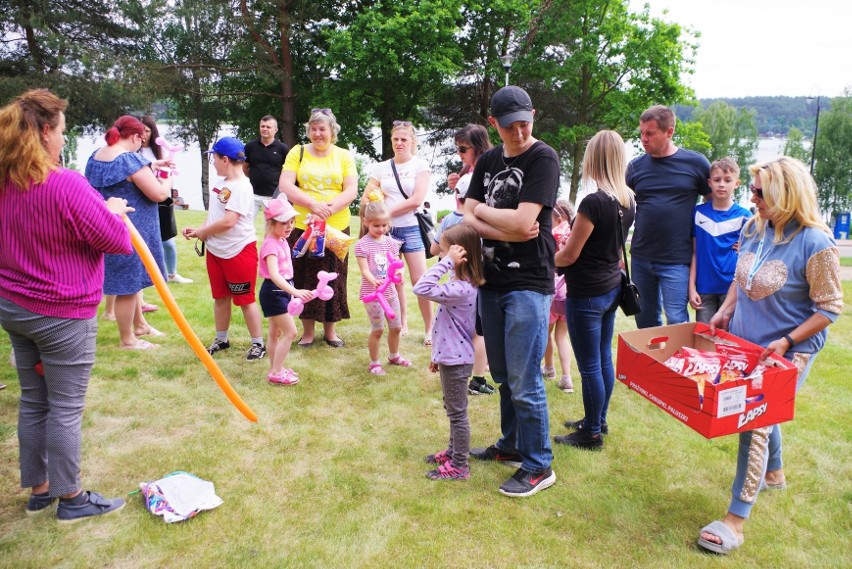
273	300
410	237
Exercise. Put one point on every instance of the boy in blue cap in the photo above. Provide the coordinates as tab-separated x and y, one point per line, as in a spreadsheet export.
231	241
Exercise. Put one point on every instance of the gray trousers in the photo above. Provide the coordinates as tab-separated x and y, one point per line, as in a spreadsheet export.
51	410
454	386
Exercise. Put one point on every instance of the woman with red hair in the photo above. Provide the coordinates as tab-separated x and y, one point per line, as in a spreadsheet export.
118	170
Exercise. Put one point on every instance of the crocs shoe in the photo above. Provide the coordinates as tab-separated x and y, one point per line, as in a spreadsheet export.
95	505
285	377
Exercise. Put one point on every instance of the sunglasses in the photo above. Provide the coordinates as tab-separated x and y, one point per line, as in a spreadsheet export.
462	149
199	247
401	123
323	111
756	191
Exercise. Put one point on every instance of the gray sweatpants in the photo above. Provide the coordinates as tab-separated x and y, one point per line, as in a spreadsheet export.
454	386
51	410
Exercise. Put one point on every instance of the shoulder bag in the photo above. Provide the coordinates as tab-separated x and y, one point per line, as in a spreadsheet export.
629	298
424	220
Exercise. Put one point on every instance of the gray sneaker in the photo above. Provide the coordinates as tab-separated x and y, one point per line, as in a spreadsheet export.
256	352
218	345
95	505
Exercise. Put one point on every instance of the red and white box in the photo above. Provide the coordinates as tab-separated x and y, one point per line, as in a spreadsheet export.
727	408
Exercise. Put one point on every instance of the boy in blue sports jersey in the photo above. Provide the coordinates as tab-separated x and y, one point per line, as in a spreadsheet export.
715	238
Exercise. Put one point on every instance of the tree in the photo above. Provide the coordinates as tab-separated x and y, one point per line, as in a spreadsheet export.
389	63
833	168
794	145
731	132
593	64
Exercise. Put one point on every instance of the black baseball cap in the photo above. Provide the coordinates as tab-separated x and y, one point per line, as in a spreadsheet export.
511	104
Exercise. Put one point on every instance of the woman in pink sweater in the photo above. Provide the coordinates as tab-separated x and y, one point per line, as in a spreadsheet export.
55	229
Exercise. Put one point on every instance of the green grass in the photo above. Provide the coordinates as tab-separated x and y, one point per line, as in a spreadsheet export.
332	475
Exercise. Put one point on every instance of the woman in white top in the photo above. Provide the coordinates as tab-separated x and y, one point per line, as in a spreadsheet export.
405	191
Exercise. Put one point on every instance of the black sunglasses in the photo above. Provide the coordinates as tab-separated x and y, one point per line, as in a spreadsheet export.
756	191
462	149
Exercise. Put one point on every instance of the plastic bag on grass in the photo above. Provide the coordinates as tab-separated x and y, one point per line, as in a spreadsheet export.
179	496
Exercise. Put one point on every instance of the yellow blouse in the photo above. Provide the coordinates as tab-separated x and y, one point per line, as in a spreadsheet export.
322	179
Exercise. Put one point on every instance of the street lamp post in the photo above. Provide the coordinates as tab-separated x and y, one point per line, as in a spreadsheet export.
816	131
507	60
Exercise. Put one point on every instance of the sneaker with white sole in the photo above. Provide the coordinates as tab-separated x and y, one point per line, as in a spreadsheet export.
39	503
256	352
94	505
217	346
523	483
176	278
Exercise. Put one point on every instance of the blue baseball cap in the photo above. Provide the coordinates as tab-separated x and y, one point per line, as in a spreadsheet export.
230	147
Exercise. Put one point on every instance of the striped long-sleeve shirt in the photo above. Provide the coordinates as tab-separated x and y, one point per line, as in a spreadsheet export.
53	237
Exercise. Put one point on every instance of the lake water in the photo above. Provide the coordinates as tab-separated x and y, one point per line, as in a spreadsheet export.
188	163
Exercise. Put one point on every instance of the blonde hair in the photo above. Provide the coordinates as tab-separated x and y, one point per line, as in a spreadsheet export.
790	194
465	235
326	116
410	128
24	159
605	162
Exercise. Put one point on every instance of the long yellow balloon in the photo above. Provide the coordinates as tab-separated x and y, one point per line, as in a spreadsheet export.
191	338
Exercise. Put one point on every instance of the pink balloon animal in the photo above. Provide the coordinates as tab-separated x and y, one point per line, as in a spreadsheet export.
172	150
323	292
394	276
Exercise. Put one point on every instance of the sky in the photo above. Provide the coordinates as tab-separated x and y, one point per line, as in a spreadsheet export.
747	48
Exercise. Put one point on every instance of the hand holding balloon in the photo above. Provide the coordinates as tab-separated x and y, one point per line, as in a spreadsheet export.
394	276
172	150
323	292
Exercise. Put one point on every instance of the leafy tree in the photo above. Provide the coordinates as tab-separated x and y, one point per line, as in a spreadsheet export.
388	63
833	168
731	132
593	64
794	145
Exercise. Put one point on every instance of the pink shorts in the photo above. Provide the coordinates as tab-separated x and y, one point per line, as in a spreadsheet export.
377	315
557	311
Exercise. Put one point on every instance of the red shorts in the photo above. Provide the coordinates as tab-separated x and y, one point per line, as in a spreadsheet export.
235	277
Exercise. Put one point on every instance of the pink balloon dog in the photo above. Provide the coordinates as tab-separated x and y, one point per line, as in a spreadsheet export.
323	292
394	276
172	150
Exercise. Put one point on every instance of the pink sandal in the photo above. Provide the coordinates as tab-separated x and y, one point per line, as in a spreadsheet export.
286	377
399	361
377	369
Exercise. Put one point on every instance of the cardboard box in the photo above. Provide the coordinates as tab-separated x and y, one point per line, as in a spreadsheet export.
728	408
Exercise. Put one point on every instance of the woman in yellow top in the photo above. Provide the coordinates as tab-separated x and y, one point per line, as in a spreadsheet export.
327	183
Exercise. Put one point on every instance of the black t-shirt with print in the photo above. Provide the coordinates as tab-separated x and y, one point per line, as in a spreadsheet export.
504	183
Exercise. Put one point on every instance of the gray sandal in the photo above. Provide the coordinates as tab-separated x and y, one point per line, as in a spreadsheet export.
730	540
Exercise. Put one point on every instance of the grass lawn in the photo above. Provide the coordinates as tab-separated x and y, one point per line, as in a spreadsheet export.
332	474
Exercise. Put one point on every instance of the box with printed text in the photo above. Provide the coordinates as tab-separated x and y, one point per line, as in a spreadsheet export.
725	408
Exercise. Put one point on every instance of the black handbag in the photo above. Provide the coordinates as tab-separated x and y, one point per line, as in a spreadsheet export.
424	220
629	298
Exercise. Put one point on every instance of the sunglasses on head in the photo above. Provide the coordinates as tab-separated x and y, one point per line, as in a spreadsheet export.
756	191
462	149
323	111
401	123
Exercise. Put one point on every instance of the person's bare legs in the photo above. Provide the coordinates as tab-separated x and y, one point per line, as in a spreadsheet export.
222	314
393	340
403	313
254	321
416	267
308	331
373	344
282	332
548	350
563	346
109	307
480	359
128	311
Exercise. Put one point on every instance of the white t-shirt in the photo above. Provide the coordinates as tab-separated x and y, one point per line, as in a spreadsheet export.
408	172
463	184
237	196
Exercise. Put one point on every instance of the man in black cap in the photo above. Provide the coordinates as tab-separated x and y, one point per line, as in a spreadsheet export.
509	202
264	158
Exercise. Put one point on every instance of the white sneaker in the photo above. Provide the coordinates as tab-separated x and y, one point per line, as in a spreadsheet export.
176	278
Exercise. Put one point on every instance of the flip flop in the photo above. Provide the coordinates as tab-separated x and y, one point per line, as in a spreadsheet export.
777	486
141	345
730	540
147	307
152	332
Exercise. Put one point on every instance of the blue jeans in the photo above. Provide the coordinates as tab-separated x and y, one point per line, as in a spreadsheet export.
591	324
170	256
661	286
515	329
759	451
